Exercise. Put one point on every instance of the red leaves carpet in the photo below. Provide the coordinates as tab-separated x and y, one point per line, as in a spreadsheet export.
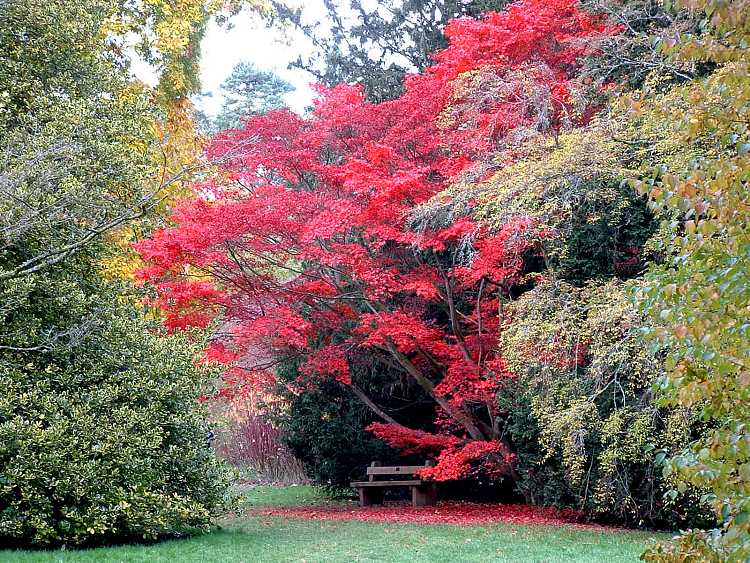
457	513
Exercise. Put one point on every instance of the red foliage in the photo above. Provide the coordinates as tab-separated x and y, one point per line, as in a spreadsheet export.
492	457
456	458
309	242
455	513
329	360
409	441
217	352
630	263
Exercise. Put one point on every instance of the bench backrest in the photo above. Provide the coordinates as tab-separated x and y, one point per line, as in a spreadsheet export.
378	470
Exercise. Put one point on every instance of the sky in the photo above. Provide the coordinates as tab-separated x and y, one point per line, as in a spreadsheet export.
250	39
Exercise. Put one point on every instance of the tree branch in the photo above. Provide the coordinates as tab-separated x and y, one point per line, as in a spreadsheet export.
371	405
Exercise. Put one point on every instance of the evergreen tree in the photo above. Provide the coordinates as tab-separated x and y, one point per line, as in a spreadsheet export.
248	91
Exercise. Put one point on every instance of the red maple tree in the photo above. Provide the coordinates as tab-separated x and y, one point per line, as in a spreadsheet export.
307	245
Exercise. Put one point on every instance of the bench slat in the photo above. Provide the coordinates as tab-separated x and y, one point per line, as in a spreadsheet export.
358	484
396	470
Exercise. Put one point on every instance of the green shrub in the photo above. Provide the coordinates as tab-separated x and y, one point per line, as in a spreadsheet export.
580	410
101	439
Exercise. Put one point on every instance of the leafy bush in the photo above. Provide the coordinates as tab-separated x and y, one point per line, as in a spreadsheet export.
102	438
580	409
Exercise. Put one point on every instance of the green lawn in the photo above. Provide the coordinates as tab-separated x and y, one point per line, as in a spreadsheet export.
284	496
266	539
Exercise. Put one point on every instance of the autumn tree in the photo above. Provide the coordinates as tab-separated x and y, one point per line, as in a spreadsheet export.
312	251
62	179
48	78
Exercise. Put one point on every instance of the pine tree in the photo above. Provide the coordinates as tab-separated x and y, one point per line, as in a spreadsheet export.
248	91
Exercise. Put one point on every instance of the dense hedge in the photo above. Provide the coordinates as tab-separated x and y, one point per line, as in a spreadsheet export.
102	438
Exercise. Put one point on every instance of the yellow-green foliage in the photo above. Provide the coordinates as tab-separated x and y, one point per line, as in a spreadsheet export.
552	168
524	179
698	300
581	365
573	186
168	34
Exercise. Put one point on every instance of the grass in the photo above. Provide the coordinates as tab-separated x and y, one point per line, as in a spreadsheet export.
262	539
302	495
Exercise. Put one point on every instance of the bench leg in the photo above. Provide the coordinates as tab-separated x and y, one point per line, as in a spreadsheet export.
424	495
369	496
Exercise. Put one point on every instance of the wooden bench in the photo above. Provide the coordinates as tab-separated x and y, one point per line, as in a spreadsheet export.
423	493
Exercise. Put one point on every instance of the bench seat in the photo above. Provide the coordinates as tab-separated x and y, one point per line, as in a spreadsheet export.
423	493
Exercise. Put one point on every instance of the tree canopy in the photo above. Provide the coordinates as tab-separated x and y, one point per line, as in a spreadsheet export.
103	437
349	277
